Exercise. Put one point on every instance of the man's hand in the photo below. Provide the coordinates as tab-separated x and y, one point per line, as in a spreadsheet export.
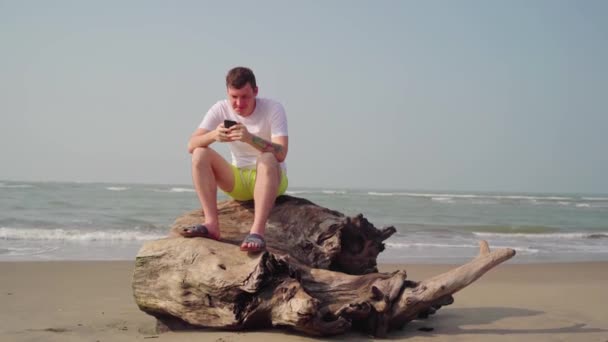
222	133
239	132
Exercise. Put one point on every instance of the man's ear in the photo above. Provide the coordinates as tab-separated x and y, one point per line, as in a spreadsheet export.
255	91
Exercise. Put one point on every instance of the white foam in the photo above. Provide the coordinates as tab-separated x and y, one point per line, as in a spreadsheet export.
595	198
333	192
182	190
75	235
413	194
443	199
561	236
526	250
117	188
29	251
175	190
372	193
482	196
485	199
326	192
289	192
426	244
430	195
15	186
459	196
532	198
583	205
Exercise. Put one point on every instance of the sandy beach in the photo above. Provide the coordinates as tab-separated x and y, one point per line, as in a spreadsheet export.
92	301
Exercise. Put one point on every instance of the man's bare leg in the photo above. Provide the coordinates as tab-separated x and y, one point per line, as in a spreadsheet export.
268	179
210	170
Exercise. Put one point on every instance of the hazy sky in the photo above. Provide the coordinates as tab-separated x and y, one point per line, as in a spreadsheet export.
435	95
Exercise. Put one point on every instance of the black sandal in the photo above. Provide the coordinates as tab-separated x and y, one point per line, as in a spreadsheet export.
197	231
254	238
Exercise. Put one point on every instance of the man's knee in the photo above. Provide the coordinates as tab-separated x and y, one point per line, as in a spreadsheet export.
201	155
268	166
267	159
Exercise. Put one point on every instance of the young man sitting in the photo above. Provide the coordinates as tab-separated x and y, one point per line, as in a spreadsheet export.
256	131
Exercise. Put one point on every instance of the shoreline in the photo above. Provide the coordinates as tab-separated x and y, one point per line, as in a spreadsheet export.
423	253
84	300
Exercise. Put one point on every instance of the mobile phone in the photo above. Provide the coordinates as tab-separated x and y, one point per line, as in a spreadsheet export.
229	123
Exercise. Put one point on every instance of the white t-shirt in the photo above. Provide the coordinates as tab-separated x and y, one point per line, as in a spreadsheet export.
267	121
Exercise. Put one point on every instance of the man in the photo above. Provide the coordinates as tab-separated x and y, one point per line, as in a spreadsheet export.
258	144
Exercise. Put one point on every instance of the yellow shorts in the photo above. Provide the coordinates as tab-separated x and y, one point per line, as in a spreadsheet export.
244	182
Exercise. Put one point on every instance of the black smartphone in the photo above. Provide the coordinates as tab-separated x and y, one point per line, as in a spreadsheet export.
229	123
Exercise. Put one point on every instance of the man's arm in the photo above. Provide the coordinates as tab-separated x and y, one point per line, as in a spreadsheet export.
278	146
203	138
200	138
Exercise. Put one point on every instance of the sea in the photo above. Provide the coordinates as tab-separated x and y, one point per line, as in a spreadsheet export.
97	221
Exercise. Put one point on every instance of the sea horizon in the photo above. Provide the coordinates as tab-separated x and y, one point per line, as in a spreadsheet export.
328	187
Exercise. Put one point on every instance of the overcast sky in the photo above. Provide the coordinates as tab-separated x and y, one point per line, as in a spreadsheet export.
435	95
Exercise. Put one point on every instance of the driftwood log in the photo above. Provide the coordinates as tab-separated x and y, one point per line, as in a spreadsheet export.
313	235
300	282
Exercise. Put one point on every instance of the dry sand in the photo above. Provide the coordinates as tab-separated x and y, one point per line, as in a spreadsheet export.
92	301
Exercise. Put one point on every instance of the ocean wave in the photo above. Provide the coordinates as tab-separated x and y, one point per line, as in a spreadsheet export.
181	190
489	199
27	251
596	204
595	198
15	186
476	196
427	244
175	190
324	192
561	236
333	192
373	193
443	199
510	229
75	235
296	192
117	188
447	245
529	198
444	195
518	249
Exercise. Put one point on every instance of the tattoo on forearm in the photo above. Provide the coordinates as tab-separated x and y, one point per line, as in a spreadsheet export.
266	146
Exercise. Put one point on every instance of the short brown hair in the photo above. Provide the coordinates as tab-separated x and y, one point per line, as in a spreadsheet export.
239	77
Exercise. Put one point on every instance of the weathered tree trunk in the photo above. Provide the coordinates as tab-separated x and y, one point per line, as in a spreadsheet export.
316	236
200	282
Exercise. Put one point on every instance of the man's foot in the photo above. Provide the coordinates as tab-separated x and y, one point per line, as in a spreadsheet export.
253	243
199	230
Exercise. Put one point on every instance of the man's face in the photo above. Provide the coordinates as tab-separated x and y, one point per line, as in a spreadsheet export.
242	100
